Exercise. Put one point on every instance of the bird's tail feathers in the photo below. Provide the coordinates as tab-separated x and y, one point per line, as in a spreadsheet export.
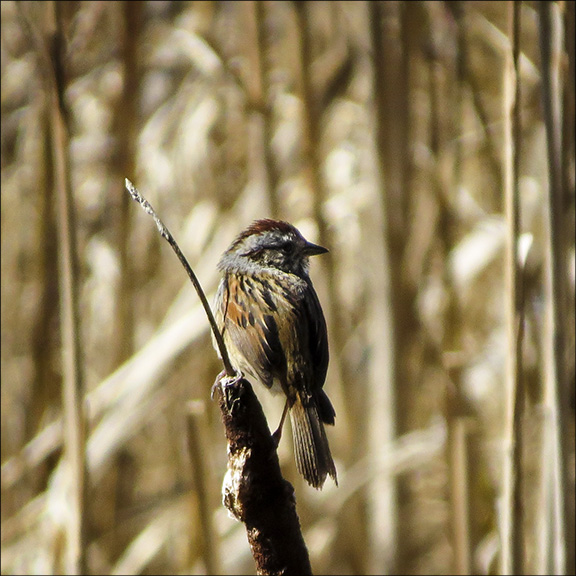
311	450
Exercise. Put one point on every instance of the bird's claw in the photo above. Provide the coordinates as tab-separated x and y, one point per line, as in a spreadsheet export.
224	380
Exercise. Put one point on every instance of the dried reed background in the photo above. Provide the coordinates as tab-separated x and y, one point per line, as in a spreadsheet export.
413	140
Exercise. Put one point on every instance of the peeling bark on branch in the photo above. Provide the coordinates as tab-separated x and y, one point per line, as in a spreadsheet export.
254	490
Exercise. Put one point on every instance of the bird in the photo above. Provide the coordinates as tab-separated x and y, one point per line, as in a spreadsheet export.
272	324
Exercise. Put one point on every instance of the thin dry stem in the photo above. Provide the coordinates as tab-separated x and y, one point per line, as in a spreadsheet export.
458	438
386	369
557	386
165	233
74	418
513	516
262	158
197	449
124	160
445	191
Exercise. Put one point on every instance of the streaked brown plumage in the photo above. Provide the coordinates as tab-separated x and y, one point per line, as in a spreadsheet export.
274	329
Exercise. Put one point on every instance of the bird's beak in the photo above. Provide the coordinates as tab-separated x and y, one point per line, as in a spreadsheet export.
313	249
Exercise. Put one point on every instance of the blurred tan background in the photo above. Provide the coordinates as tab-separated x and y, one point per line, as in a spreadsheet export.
379	130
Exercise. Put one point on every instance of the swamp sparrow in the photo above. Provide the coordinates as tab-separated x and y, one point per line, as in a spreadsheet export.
274	330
